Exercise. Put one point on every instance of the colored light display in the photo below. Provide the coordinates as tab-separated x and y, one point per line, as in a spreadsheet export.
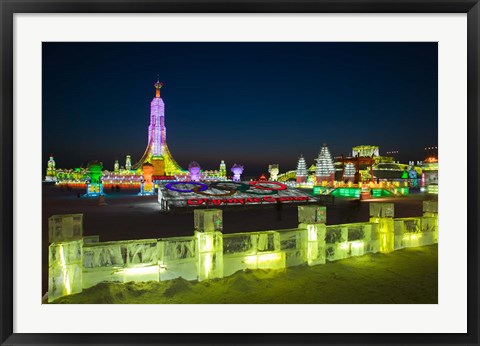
347	192
184	194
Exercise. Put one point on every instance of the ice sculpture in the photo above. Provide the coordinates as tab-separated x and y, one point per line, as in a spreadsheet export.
66	227
273	170
147	187
237	171
194	170
302	171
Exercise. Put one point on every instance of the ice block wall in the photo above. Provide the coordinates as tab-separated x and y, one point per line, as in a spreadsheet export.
252	250
76	263
177	258
413	232
120	261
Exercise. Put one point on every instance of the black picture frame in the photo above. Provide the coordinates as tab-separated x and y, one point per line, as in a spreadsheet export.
10	7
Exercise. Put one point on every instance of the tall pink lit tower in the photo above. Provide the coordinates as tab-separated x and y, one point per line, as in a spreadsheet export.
157	152
156	130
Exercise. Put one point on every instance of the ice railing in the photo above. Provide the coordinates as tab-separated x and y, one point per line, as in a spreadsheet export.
77	262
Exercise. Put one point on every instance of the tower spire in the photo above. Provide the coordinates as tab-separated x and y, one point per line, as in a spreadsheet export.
158	85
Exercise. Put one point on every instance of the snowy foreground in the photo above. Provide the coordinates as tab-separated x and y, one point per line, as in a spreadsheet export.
408	276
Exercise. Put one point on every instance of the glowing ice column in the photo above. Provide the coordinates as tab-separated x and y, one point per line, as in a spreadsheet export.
430	210
209	243
382	214
64	269
313	218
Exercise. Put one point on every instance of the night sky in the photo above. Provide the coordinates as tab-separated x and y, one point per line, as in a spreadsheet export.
249	103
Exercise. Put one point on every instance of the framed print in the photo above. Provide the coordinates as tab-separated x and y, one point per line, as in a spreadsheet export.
299	199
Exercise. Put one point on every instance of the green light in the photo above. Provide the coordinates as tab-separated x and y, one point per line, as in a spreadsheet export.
347	192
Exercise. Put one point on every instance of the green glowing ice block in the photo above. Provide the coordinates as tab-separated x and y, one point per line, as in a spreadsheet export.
380	209
310	214
208	220
177	258
62	228
209	255
64	269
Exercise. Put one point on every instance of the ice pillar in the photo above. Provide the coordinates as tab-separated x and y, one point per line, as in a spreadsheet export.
382	214
209	243
313	218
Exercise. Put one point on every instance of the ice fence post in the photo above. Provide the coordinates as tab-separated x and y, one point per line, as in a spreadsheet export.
208	225
313	219
382	214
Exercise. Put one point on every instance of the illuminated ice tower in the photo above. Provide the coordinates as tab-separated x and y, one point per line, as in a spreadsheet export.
157	152
324	169
51	171
301	170
128	163
223	170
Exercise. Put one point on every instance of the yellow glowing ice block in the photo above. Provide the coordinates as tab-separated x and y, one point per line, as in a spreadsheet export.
208	220
65	228
64	269
209	255
385	233
316	246
310	214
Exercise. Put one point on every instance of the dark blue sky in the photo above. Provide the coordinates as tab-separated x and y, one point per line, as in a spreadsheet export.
248	103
